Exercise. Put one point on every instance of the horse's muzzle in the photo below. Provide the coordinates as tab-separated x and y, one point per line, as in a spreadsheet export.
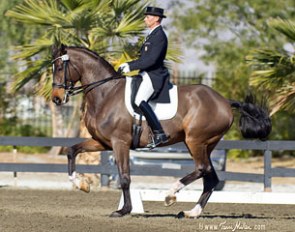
57	101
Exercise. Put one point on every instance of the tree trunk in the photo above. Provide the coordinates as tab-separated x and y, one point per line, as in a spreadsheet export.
57	126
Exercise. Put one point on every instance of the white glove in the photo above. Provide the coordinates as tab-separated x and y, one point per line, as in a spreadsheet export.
124	68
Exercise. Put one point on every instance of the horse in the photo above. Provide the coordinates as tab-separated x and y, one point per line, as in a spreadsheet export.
203	117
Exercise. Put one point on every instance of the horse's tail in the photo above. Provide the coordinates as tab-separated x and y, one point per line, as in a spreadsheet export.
255	122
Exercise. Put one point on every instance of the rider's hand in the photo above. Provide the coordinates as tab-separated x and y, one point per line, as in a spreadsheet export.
124	68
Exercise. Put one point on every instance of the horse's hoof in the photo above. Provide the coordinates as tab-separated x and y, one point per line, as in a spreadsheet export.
186	214
170	200
180	215
117	214
85	186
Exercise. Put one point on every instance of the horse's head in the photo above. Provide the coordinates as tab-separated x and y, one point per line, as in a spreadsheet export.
73	64
65	75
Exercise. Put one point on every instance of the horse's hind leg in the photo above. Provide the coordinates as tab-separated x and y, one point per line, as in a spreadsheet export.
210	180
204	168
88	145
198	153
180	184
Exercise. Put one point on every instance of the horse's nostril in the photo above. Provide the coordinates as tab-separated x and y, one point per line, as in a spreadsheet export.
56	100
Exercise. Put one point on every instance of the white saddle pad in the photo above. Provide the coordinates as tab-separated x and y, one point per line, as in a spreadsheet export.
164	111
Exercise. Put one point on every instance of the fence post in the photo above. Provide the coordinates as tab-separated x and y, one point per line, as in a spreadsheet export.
14	151
267	169
104	160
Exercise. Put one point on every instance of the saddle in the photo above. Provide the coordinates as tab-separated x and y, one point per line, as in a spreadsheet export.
163	103
157	97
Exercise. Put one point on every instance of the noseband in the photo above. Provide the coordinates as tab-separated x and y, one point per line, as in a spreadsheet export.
70	89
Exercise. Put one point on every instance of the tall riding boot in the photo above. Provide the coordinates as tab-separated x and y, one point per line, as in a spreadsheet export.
159	134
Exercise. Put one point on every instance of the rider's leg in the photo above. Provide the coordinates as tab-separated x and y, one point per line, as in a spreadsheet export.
159	134
145	91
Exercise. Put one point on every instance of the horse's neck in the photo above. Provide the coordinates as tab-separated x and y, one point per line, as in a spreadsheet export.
103	98
93	68
94	71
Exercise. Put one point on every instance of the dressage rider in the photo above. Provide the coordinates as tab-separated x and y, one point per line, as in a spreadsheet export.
152	69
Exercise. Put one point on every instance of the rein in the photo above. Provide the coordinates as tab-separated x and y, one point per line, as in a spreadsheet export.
70	89
87	88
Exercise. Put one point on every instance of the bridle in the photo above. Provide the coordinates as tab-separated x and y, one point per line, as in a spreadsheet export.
70	90
65	58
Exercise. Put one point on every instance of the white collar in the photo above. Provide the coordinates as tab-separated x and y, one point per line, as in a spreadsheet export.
150	32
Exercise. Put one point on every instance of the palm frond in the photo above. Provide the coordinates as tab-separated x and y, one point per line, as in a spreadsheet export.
44	86
284	98
270	67
128	27
71	4
32	71
286	27
30	50
174	52
41	12
122	19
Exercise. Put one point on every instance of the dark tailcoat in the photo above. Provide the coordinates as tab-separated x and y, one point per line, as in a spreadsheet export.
152	56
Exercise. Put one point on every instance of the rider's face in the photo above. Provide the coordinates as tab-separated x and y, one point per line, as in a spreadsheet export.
151	21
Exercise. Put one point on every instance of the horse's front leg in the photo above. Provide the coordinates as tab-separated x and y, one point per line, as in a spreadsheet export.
86	146
121	151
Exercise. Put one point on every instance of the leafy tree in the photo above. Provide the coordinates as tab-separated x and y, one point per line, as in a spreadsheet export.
103	25
225	32
273	73
110	27
10	34
274	68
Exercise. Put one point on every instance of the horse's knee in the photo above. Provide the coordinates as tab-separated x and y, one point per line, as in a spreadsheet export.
71	153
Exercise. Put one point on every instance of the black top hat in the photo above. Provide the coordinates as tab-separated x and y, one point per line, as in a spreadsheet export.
155	11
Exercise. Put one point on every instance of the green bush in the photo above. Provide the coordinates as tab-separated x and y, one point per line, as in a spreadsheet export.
11	127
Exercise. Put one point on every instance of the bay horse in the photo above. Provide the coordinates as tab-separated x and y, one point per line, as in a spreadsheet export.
203	117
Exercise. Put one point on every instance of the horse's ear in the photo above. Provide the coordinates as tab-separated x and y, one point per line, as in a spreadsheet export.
54	50
63	49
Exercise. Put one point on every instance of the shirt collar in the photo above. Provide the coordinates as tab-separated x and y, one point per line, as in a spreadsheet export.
150	32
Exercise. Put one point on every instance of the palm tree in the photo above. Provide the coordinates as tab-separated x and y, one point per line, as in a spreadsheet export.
105	26
274	69
113	28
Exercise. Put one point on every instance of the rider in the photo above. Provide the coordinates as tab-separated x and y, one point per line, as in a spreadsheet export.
154	73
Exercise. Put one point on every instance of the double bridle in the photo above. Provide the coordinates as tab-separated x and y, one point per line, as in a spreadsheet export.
70	89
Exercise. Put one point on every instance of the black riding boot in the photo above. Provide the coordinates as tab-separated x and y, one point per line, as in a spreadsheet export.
159	135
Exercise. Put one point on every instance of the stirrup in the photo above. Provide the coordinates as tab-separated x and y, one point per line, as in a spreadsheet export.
158	139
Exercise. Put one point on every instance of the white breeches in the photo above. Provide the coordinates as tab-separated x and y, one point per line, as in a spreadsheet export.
145	90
